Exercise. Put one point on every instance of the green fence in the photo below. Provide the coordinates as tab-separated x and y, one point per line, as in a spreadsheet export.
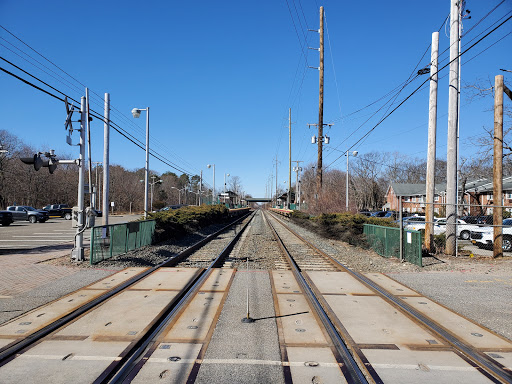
116	239
386	242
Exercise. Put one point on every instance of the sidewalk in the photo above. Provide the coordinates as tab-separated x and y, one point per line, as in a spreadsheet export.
26	282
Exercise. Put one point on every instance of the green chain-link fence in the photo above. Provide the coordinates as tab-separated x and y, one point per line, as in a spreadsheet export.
116	239
386	242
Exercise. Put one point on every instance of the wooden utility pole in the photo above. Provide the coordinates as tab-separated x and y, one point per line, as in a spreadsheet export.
289	157
431	157
452	155
498	167
276	179
320	106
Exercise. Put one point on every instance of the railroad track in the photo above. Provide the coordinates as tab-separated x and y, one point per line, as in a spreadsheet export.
83	328
469	346
250	307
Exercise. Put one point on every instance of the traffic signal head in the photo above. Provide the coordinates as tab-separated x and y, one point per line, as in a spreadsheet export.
37	162
52	165
34	160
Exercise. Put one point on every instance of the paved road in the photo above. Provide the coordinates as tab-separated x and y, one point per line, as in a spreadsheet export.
22	235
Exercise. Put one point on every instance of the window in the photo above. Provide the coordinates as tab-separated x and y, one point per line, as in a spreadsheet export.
436	210
414	199
489	196
436	198
508	195
407	198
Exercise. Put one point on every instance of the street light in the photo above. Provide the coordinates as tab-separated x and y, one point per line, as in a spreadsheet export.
226	174
136	114
354	153
213	191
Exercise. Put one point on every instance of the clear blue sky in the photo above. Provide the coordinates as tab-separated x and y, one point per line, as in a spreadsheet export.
219	77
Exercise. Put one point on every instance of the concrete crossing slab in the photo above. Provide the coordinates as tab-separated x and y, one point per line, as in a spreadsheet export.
405	367
314	365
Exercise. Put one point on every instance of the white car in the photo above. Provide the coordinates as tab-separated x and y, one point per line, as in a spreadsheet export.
417	223
463	228
483	237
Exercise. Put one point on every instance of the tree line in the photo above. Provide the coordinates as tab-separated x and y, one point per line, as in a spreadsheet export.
21	184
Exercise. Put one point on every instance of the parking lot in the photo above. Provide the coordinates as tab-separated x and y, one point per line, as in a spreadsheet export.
22	235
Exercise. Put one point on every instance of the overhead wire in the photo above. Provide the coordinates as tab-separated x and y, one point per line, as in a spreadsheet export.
418	88
116	127
95	99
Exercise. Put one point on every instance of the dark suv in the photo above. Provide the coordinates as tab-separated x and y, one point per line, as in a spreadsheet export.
59	210
24	213
6	218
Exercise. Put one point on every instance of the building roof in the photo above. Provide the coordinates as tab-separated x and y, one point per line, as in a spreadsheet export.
475	186
414	189
486	185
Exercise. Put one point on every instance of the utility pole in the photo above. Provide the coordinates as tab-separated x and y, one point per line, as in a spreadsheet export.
453	96
289	157
498	167
200	187
297	169
320	105
431	157
276	178
106	158
77	253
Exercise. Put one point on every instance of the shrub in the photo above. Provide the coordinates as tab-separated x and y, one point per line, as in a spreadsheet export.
440	243
176	223
341	226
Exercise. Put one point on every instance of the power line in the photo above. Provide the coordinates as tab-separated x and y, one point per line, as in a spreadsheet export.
418	88
116	127
99	100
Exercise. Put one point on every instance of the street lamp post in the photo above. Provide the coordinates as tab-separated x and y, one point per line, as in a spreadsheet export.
179	193
136	114
354	153
213	190
226	174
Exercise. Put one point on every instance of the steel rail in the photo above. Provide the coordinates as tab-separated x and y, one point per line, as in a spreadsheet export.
491	368
8	352
353	372
132	359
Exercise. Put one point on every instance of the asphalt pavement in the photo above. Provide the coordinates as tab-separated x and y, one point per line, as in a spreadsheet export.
56	232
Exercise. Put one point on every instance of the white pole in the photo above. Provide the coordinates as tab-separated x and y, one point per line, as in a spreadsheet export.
146	183
106	168
453	96
78	252
431	157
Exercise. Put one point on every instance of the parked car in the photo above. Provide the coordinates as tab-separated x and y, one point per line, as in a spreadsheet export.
365	213
487	219
463	229
6	218
27	213
417	223
59	210
171	207
483	238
